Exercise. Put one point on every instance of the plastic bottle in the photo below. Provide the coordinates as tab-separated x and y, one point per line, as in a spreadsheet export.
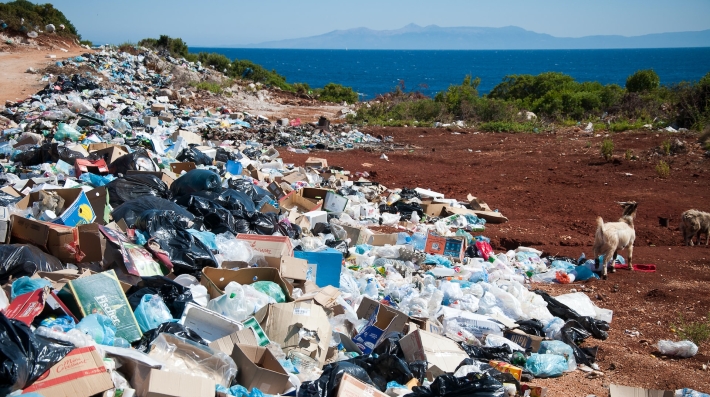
371	289
441	271
404	239
419	241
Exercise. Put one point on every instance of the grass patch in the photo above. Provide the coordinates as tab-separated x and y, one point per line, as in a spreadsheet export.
666	147
694	331
210	86
663	169
607	149
507	126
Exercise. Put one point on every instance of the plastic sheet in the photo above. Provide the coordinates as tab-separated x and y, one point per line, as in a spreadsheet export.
215	218
25	284
597	328
151	312
195	181
25	356
65	131
139	186
185	356
684	348
234	250
546	365
485	353
193	155
17	260
131	210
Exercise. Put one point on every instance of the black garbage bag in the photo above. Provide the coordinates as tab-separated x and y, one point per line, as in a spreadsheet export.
24	356
502	377
339	245
327	384
573	334
224	155
138	160
597	328
176	329
388	368
289	229
196	181
187	254
131	210
532	327
485	353
175	295
215	218
406	209
17	260
390	345
265	224
255	193
472	385
232	200
47	153
409	194
131	187
193	155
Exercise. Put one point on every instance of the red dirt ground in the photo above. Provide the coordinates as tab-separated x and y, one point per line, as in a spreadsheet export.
552	187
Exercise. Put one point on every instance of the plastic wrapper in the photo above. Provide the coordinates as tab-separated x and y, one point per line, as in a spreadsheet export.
25	284
187	255
232	304
151	312
497	341
561	349
473	385
553	328
185	356
24	356
176	329
131	210
63	323
99	327
17	260
174	295
241	391
130	187
196	181
138	161
96	180
546	365
683	349
271	289
193	155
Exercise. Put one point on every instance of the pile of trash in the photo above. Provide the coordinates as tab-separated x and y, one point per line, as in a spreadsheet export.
143	257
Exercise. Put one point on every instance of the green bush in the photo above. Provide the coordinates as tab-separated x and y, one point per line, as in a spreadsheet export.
694	331
663	169
175	46
34	15
337	93
506	126
209	86
458	99
607	149
643	80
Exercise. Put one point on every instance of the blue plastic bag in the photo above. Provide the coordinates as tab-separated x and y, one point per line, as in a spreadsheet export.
583	273
65	323
96	180
206	237
151	312
241	391
561	349
546	365
25	284
99	327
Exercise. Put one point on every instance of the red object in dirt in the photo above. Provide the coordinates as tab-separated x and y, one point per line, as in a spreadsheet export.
27	307
638	268
562	278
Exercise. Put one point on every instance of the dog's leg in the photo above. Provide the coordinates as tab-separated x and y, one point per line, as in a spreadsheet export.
613	262
631	255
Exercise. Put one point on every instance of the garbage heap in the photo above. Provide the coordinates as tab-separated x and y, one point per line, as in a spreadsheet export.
141	257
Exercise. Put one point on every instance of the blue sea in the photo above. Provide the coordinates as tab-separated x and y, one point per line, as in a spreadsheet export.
373	72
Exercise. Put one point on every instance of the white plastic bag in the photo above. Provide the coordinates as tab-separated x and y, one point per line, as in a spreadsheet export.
232	304
684	348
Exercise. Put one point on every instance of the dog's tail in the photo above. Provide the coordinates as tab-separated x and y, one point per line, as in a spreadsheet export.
600	226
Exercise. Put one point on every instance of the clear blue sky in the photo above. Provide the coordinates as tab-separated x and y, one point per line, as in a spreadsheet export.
205	23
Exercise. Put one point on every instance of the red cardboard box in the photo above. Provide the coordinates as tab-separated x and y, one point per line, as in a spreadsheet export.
30	305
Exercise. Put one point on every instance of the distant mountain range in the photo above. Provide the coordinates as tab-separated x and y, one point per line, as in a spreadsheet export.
414	37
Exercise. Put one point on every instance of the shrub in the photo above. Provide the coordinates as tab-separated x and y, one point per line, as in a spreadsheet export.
663	169
666	147
458	99
643	80
337	93
86	42
694	331
607	149
629	154
209	86
34	15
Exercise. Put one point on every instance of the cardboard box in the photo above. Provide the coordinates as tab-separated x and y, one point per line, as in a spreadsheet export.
490	216
111	154
315	217
60	241
259	368
442	354
42	302
428	324
524	340
294	201
283	323
178	168
453	247
535	391
187	136
95	147
216	279
382	320
382	239
334	202
98	198
176	384
273	246
316	162
352	387
328	265
357	235
504	367
209	324
292	268
102	293
626	391
433	209
98	167
315	195
226	344
81	373
77	208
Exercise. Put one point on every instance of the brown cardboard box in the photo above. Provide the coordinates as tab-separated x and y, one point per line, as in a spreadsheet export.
382	320
351	387
176	384
216	279
442	354
294	201
626	391
60	241
524	340
382	239
316	162
489	216
227	343
188	136
357	235
110	154
315	195
178	168
259	368
81	373
326	297
292	268
433	209
283	322
270	246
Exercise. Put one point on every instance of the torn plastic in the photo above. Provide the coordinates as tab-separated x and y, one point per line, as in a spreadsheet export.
561	349
25	284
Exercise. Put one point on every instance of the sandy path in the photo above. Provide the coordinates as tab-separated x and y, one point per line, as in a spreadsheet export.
15	84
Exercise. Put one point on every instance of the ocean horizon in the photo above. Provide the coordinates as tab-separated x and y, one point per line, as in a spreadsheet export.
374	72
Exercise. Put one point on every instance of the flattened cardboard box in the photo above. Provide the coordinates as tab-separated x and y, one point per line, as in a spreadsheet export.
626	391
442	354
81	373
259	368
227	343
176	384
352	387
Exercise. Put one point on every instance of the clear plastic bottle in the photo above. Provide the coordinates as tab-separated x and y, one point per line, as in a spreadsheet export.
419	241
